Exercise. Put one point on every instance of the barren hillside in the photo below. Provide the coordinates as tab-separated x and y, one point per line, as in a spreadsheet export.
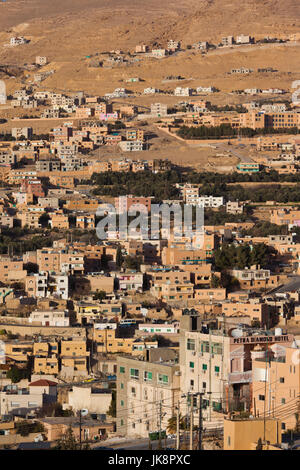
68	31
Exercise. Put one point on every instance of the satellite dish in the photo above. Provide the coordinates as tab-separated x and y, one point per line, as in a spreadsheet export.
236	333
84	411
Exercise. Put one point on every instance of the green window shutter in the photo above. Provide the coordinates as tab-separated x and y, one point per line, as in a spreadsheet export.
192	365
150	375
217	369
122	370
122	386
204	366
122	403
165	379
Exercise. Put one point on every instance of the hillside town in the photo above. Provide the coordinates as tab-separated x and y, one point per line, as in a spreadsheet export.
145	301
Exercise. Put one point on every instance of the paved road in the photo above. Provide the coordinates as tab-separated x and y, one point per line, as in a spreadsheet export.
137	444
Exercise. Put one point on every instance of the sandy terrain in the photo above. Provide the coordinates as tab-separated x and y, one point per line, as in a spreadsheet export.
69	31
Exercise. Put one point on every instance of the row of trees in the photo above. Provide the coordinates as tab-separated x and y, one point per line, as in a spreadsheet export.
145	183
257	194
226	130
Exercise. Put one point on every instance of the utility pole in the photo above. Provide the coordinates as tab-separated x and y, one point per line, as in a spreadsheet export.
200	422
209	391
191	422
178	427
80	427
160	417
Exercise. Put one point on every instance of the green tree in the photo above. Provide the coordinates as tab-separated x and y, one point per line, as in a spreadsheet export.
67	441
215	282
100	295
119	257
112	411
15	374
172	424
133	262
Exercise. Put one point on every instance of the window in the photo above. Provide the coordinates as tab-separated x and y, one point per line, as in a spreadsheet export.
191	344
163	379
192	365
122	402
204	366
261	397
122	386
203	384
283	401
281	380
147	376
217	369
134	374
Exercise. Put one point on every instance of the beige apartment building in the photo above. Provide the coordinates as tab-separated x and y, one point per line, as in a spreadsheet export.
18	351
204	364
158	278
177	292
146	388
46	365
11	269
59	220
112	340
258	312
46	355
210	295
244	434
276	384
74	355
220	364
94	399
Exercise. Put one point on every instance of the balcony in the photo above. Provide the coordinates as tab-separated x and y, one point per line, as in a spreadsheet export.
240	377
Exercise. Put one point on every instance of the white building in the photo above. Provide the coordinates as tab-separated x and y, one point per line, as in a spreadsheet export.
210	201
158	53
41	60
50	318
159	109
131	145
179	91
95	400
17	41
208	89
150	91
160	328
130	281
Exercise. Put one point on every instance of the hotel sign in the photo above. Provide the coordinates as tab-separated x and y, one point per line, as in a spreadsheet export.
261	339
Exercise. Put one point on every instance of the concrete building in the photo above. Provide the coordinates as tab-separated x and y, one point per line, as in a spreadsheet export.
96	400
142	385
244	434
50	318
131	145
159	109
